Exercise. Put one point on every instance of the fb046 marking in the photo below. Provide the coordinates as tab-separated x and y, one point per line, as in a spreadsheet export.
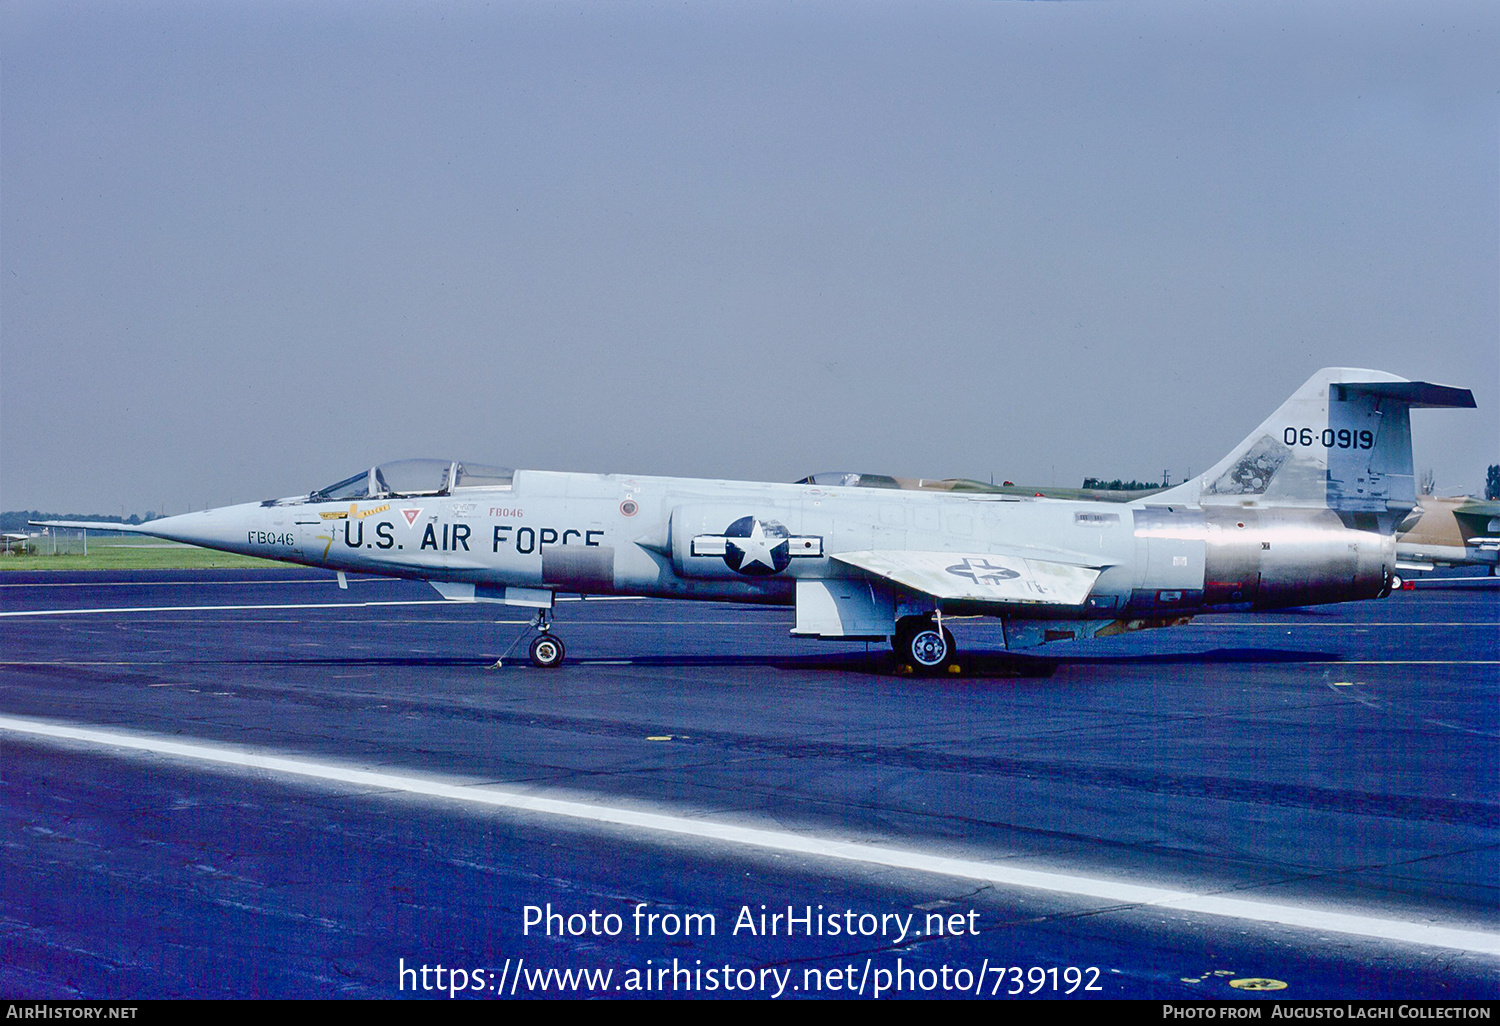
1328	438
269	538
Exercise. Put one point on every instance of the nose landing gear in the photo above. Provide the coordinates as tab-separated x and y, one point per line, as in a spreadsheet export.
547	649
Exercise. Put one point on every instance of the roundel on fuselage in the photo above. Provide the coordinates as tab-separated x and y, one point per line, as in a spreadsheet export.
756	548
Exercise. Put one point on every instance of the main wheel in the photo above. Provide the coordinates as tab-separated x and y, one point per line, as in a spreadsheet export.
928	648
547	651
906	628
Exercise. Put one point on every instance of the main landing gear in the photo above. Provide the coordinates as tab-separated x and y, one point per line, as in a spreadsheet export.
547	649
924	643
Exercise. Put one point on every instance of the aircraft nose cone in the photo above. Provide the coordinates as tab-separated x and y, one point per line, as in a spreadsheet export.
221	528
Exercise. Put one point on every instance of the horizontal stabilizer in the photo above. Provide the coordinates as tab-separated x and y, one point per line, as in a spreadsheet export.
981	577
1418	394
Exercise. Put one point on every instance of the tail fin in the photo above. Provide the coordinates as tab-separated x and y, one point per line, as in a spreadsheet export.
1341	442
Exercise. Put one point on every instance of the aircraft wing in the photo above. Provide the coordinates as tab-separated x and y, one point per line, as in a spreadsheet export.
1008	577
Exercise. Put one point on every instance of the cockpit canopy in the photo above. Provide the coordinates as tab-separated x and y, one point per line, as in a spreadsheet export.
415	477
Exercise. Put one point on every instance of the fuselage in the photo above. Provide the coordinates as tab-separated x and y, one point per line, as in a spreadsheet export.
1302	511
655	536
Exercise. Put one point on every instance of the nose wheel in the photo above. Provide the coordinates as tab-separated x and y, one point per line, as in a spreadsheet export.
547	651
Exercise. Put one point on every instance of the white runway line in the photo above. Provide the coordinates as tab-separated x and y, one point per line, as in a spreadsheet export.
321	581
1353	624
1112	891
202	609
102	610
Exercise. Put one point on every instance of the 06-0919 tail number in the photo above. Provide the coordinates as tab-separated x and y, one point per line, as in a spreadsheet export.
1343	438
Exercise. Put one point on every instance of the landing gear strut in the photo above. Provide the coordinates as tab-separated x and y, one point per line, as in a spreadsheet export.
547	649
924	642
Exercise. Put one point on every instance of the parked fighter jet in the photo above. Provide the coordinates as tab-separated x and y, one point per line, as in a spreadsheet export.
1450	532
1303	511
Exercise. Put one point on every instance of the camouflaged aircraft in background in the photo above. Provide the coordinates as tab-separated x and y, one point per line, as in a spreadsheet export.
1450	532
1303	511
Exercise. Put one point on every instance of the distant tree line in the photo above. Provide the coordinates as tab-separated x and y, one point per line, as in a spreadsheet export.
1117	485
1492	482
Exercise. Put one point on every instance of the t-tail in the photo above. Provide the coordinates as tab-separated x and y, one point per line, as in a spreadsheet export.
1303	511
1342	442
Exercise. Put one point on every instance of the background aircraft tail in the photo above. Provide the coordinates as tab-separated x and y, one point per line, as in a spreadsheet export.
1341	442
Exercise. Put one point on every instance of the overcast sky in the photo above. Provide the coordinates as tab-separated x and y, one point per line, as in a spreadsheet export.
248	249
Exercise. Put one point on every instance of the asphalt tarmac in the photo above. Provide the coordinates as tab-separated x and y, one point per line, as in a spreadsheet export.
1307	801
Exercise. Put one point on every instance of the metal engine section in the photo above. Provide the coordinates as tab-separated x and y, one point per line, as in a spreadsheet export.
1227	558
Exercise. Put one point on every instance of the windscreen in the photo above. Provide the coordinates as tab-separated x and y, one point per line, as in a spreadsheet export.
356	487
